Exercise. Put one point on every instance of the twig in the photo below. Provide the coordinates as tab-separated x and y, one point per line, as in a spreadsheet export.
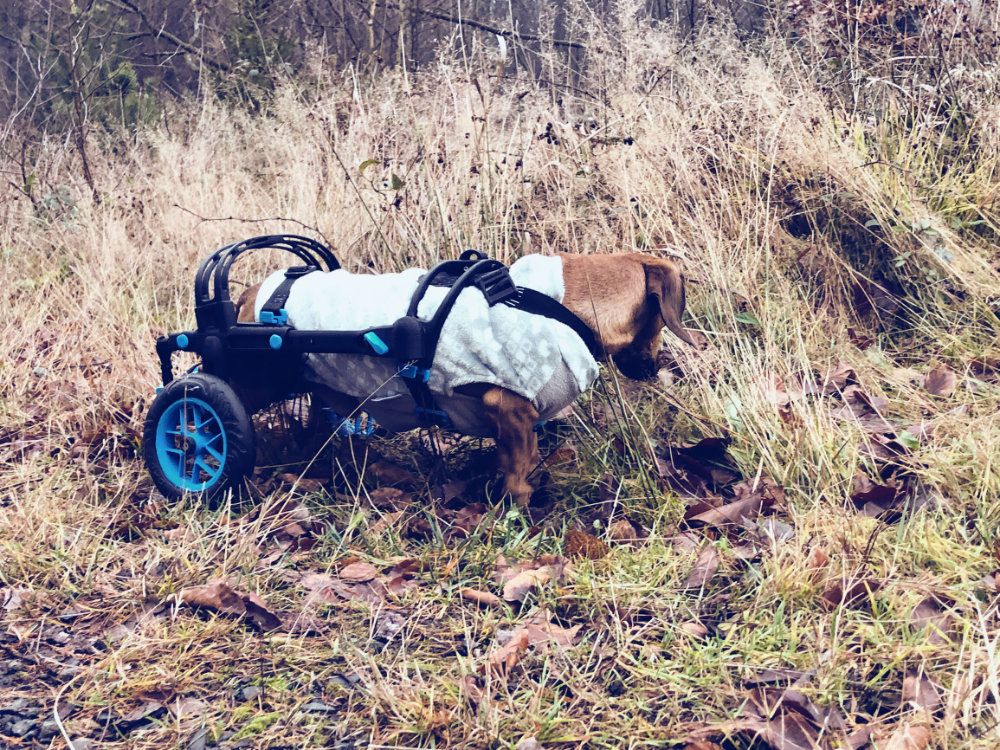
255	221
55	710
130	7
515	35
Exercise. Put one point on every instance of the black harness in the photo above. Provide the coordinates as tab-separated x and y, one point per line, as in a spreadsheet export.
412	342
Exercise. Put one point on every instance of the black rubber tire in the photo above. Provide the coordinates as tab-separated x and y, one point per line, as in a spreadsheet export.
241	450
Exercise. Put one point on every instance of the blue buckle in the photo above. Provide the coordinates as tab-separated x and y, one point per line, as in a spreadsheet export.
415	373
357	427
376	343
435	416
266	316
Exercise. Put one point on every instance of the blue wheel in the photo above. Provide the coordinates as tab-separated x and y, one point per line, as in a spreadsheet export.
198	438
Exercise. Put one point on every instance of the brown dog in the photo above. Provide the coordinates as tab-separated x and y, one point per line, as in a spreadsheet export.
625	299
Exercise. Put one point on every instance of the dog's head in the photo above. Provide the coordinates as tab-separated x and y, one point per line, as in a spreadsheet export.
627	299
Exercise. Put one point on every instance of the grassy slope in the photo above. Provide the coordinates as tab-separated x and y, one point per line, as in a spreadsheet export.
727	153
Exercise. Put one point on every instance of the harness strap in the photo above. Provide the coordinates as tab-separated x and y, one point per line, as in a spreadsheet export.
273	311
532	301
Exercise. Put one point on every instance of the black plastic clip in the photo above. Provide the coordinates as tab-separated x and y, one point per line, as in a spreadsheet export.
296	272
496	285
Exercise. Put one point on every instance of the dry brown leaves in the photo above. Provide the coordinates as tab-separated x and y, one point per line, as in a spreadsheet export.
482	598
853	594
783	717
519	579
934	616
941	381
539	633
219	596
287	524
907	736
704	569
360	581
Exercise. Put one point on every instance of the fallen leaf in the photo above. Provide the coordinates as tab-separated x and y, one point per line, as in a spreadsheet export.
697	470
187	707
506	657
219	597
908	736
529	743
450	491
393	474
854	595
788	730
817	559
385	522
833	380
875	499
582	544
331	589
467	519
521	578
775	676
702	745
538	632
358	572
564	454
694	628
482	598
542	632
388	624
941	381
143	713
685	542
729	514
704	569
518	587
392	497
932	614
919	691
622	530
402	576
470	689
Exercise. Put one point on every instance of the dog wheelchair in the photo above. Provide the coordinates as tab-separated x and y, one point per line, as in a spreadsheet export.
198	437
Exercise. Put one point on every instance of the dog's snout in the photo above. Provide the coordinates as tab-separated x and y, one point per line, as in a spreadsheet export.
635	365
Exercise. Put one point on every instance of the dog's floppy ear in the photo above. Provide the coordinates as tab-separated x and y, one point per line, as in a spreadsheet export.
665	284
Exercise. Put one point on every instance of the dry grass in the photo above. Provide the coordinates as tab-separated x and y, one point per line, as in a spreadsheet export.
789	211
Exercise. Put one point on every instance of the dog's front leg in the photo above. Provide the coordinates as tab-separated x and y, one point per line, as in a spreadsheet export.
513	418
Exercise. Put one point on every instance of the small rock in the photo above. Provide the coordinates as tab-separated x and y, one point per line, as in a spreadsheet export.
48	729
343	681
24	727
16	706
60	636
319	707
82	743
248	693
198	739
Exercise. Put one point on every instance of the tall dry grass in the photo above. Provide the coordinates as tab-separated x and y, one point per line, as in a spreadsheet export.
804	225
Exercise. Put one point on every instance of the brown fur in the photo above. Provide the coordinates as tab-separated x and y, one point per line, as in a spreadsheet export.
626	299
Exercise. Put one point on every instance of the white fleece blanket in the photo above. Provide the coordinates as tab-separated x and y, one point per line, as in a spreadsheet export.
534	356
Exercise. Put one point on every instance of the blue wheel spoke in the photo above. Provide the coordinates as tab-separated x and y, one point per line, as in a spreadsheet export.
199	464
213	453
